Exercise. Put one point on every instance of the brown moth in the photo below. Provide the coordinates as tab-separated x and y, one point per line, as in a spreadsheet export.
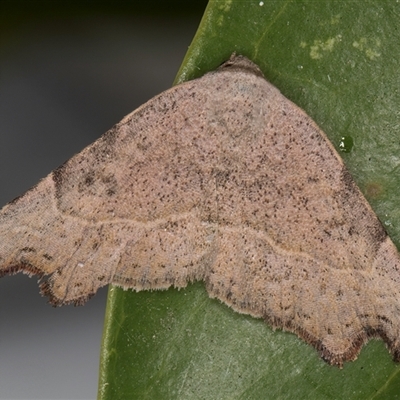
220	179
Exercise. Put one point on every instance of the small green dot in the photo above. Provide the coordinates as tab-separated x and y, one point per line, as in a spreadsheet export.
346	144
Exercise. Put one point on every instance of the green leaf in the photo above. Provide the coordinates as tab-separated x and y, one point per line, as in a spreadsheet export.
339	62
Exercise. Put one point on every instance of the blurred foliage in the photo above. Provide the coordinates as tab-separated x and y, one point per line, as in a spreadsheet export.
14	14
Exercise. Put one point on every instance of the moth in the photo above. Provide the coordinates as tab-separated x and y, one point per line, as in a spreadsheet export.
221	179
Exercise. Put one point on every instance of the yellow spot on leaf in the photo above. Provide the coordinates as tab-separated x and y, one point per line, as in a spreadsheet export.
370	49
319	47
225	6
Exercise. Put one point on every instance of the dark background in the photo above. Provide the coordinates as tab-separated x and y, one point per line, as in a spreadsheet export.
70	70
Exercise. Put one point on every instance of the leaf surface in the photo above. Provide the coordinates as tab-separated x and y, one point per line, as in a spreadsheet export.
339	62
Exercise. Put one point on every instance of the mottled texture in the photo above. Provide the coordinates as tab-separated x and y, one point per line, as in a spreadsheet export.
220	179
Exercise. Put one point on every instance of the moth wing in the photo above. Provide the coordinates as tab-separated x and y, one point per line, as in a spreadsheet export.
136	208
